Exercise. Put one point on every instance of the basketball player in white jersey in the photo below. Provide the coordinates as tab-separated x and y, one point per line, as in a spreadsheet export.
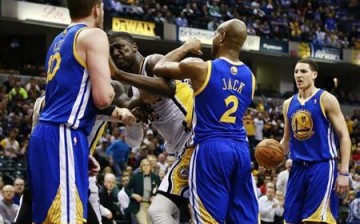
174	123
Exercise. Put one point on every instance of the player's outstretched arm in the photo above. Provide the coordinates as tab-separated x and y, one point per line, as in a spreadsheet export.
96	57
194	68
169	65
333	112
154	85
286	138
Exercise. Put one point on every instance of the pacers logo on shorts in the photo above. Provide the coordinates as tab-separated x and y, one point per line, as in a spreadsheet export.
183	172
302	125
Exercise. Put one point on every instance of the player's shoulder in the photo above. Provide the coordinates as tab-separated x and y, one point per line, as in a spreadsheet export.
92	34
152	60
328	99
287	101
194	62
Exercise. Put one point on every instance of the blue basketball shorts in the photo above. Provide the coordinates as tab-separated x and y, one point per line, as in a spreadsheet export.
221	183
310	194
58	174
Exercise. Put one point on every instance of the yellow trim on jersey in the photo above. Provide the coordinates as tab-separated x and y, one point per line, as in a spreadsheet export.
76	55
79	209
184	98
96	140
197	92
54	212
317	215
205	215
322	106
287	106
253	85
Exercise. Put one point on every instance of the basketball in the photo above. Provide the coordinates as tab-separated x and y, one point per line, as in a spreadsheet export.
269	153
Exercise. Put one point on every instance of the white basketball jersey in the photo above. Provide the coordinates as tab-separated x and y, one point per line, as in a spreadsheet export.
175	115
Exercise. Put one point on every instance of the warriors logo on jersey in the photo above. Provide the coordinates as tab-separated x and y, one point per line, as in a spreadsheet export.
302	125
233	70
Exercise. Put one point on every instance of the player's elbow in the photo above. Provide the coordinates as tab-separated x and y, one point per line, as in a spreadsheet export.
103	101
159	69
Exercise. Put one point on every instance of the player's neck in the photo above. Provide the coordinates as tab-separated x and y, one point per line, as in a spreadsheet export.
229	57
307	93
139	63
89	22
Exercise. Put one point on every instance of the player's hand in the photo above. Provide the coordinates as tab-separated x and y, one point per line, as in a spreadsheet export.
109	216
137	197
124	115
94	166
193	45
342	184
149	98
145	114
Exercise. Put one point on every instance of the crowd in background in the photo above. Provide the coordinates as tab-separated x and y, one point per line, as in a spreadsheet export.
119	162
334	23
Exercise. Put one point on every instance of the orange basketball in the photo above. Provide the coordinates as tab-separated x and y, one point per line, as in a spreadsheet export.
269	153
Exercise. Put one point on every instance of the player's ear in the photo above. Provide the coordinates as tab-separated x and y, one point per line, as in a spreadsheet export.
96	10
134	47
315	75
222	36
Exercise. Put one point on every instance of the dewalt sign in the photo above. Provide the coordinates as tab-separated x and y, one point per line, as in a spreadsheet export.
134	26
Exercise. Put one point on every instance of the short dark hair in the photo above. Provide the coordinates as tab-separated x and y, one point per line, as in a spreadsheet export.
81	8
122	35
312	64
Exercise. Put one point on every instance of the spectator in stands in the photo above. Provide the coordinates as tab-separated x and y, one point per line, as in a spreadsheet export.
108	197
9	83
355	182
269	206
118	152
18	93
279	218
283	177
344	206
8	209
161	162
100	153
32	85
10	145
354	211
19	185
259	127
123	198
182	21
266	184
141	190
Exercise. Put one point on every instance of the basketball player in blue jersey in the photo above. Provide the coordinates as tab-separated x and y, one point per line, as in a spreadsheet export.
78	82
313	126
221	186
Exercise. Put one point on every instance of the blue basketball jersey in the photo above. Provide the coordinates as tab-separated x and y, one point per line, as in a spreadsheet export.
222	101
68	90
312	135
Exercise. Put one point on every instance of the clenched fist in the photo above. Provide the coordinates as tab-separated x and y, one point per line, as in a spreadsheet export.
124	115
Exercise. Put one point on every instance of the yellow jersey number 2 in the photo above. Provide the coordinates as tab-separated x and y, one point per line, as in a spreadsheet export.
228	116
53	66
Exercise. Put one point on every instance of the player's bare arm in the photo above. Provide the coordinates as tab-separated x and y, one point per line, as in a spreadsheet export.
154	85
333	112
193	68
286	138
96	57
